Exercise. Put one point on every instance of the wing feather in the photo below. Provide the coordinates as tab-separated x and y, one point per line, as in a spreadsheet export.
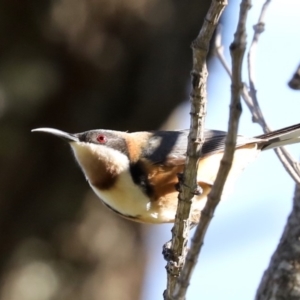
169	147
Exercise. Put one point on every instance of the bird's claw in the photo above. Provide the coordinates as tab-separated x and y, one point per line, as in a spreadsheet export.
167	252
197	192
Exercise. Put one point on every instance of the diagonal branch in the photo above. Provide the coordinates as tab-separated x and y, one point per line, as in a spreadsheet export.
237	50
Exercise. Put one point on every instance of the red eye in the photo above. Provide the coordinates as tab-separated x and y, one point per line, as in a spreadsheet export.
101	138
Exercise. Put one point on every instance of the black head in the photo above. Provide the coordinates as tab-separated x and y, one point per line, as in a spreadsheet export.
109	138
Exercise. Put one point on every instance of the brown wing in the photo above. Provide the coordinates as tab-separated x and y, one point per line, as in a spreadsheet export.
163	179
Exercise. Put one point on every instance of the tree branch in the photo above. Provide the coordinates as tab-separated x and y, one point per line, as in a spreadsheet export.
281	280
198	100
237	50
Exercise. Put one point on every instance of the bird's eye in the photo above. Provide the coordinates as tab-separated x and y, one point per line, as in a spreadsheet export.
101	138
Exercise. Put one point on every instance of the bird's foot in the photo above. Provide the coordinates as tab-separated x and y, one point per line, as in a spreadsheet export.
197	191
167	252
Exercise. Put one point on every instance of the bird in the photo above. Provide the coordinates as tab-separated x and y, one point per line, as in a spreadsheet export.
135	174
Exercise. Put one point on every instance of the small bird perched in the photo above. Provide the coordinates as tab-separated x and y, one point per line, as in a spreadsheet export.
135	174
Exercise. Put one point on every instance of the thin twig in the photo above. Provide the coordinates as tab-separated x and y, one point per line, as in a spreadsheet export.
237	50
283	155
288	162
180	231
258	30
219	50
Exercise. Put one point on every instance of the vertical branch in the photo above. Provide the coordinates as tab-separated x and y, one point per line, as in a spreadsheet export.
198	100
237	50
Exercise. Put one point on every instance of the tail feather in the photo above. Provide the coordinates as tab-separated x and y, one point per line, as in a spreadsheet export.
285	136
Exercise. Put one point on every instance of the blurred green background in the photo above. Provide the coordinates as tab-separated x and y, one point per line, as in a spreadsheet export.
79	65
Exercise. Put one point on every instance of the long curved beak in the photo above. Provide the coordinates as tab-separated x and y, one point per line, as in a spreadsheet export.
68	137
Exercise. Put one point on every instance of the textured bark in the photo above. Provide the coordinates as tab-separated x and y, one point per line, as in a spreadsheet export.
281	280
177	287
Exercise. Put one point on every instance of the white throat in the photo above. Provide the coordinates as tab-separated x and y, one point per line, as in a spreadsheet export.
124	196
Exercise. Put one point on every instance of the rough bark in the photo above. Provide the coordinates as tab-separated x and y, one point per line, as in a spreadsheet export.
281	280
